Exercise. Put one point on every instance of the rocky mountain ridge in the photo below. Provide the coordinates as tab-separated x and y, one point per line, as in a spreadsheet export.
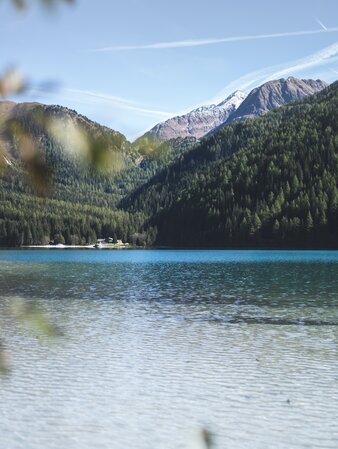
273	94
237	107
198	122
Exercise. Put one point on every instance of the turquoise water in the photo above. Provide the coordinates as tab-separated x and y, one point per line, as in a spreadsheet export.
157	344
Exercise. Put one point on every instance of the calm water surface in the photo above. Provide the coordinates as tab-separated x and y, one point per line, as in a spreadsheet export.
159	343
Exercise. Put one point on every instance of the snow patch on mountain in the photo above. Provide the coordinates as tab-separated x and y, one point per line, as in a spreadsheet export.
198	122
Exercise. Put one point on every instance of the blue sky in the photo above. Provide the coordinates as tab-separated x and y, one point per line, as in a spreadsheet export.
130	64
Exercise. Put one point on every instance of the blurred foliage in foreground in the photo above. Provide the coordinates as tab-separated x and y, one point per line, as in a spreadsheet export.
5	360
32	319
11	82
25	4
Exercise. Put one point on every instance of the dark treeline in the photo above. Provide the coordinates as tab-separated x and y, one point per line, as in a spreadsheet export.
266	181
27	220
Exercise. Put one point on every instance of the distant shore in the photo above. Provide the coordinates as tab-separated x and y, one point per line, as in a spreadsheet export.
90	246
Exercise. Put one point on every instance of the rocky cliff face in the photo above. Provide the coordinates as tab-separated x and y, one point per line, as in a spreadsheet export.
274	94
198	122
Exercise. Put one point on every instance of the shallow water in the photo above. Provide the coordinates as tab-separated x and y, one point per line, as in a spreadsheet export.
157	344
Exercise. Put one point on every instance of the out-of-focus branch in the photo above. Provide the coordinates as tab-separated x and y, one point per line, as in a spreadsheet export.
5	364
22	135
32	317
24	4
11	82
95	151
34	320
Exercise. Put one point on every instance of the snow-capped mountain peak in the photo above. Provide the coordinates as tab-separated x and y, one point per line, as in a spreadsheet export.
235	98
199	121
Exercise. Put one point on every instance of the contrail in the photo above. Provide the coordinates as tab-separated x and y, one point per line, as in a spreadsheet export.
321	24
211	41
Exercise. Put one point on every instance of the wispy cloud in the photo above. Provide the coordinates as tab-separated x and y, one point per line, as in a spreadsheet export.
122	103
325	56
334	71
213	41
114	101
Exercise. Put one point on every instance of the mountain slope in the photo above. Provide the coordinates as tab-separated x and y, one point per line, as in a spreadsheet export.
274	94
76	152
54	184
270	181
198	122
62	175
56	149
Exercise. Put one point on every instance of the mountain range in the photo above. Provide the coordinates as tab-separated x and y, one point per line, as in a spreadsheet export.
237	107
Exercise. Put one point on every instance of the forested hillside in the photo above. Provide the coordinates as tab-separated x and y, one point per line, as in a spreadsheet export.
271	180
62	176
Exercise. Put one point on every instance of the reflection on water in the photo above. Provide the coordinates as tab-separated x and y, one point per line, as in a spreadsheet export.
158	343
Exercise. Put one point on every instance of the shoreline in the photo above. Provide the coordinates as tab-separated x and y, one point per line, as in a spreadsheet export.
180	248
91	246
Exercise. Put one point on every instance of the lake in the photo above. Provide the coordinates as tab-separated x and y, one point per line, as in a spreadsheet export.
158	344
